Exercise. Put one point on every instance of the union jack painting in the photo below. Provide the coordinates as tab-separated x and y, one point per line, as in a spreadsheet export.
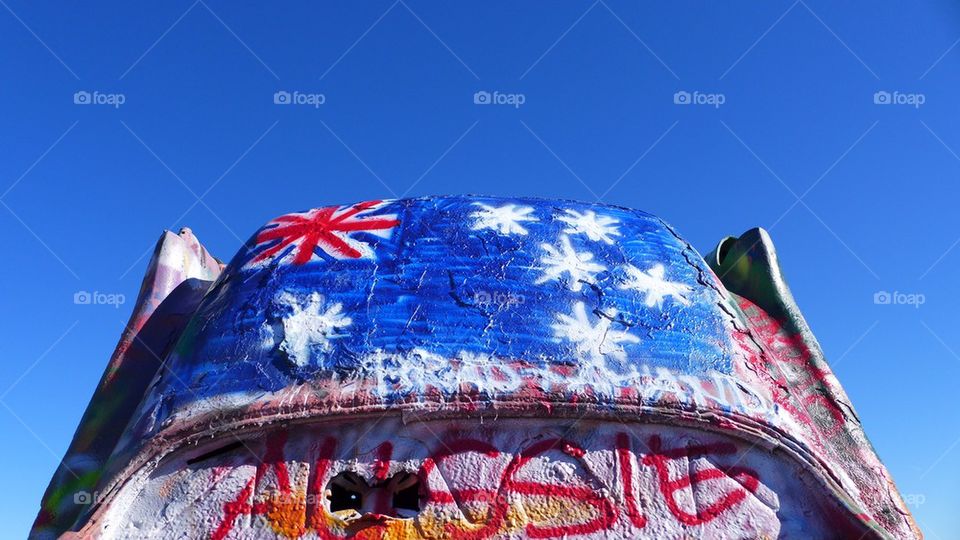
332	231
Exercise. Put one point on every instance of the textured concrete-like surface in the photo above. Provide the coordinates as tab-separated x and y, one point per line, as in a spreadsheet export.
510	313
509	479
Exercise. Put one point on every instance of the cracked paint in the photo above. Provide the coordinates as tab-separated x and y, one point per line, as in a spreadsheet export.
611	386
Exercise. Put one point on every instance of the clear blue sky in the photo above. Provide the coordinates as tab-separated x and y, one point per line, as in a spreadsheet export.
87	189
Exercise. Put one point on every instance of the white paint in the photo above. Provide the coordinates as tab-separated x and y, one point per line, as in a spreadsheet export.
420	372
653	284
597	228
486	374
173	500
504	219
308	330
592	341
567	261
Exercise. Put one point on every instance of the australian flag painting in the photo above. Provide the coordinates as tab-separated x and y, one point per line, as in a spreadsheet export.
441	296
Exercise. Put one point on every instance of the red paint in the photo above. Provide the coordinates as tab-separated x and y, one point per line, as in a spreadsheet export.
273	456
659	459
319	229
381	465
573	450
233	510
498	510
626	476
800	392
605	513
315	488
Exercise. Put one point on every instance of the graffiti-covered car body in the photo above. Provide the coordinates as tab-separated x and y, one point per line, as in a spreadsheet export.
470	367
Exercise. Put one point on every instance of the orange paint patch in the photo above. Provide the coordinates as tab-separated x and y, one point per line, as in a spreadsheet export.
287	515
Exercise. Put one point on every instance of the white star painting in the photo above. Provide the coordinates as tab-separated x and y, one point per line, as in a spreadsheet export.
596	228
655	287
504	219
566	261
310	327
593	341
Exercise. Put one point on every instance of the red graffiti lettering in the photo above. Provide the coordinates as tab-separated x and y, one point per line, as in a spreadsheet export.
669	487
606	514
598	511
626	476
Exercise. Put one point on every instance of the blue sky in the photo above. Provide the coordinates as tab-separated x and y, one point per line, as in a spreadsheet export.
859	197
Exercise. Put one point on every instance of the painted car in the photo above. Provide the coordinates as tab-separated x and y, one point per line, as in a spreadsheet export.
470	367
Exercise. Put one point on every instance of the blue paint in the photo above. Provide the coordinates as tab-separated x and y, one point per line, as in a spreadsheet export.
442	283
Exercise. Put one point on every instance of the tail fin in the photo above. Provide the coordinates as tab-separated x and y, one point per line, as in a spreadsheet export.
179	274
